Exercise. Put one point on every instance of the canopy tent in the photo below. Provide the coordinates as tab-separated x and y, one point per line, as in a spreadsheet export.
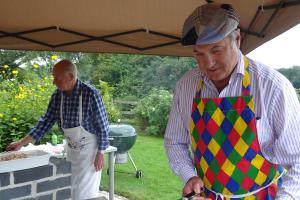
130	26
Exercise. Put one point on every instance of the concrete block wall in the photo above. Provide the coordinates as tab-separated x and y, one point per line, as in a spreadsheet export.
48	182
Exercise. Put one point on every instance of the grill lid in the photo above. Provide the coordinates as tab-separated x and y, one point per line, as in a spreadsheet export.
121	130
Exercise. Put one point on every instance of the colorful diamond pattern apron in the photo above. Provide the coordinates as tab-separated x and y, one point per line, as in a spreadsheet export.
227	154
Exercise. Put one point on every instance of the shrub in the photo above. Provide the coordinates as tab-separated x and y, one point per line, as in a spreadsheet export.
154	110
22	104
106	93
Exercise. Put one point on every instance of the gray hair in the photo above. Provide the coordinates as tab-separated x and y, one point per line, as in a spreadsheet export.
232	36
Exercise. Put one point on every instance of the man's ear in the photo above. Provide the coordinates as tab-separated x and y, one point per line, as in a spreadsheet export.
71	76
238	38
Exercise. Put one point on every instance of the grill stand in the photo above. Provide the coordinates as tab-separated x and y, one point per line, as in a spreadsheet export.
138	173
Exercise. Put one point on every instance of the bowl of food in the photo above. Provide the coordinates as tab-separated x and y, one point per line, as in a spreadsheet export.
19	160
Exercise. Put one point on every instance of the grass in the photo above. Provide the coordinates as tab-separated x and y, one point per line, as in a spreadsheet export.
158	181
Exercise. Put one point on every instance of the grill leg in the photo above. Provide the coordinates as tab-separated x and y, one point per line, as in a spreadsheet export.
111	160
132	161
138	173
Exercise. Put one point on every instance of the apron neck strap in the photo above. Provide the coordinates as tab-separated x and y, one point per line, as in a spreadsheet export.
246	78
80	109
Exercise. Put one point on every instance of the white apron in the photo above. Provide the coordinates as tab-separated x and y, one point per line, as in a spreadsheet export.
81	152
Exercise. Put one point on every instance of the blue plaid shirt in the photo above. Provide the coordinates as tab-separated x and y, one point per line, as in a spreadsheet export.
94	117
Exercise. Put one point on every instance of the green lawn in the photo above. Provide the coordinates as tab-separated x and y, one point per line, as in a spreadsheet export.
158	181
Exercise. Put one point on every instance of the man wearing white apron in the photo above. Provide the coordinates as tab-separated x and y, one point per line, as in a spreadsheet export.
79	111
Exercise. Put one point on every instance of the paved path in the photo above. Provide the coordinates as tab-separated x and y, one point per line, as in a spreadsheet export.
104	196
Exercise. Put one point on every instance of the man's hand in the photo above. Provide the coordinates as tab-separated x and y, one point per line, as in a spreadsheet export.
14	146
99	161
194	185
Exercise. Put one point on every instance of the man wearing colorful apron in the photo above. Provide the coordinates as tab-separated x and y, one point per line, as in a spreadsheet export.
239	117
79	111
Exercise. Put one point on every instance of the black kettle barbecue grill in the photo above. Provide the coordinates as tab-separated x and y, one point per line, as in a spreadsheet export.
123	137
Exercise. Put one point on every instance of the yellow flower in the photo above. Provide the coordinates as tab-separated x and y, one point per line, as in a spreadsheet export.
14	119
35	66
3	72
15	72
20	96
5	66
22	88
54	57
45	78
1	115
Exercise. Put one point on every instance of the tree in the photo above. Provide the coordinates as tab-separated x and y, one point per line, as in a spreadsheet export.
293	74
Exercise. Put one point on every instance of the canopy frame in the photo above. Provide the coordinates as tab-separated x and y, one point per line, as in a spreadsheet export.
174	39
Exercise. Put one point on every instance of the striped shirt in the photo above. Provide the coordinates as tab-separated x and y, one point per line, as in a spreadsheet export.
94	117
276	104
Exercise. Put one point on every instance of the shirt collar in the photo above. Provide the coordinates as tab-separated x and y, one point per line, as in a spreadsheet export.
240	68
